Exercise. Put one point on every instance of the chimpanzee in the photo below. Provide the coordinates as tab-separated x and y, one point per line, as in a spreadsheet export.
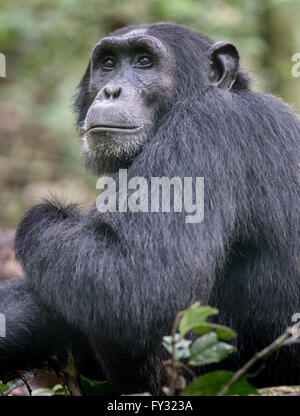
163	101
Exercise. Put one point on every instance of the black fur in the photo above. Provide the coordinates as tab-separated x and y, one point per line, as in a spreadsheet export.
121	278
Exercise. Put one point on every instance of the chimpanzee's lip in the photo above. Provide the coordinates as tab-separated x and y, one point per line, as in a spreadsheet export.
109	128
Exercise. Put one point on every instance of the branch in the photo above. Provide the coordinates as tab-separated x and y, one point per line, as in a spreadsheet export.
286	338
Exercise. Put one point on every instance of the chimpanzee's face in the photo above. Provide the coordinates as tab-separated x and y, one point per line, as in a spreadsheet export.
131	84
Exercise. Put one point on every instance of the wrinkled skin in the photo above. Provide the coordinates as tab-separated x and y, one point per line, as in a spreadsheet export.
131	84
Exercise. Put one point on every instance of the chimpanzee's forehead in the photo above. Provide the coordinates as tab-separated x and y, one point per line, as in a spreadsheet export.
135	37
134	32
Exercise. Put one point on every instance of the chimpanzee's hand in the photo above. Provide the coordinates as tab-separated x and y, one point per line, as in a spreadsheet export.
41	220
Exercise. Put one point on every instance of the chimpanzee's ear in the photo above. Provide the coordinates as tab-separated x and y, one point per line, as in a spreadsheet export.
224	62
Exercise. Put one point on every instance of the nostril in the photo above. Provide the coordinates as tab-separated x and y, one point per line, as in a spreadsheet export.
117	92
107	93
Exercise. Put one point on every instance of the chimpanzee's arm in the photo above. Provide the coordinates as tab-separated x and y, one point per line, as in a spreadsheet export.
33	336
117	279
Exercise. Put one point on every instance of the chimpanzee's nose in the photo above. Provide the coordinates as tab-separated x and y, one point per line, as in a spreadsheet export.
112	92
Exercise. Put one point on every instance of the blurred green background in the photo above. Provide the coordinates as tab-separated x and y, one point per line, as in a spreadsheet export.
47	45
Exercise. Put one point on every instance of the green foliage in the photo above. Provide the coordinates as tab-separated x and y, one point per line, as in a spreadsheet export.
211	384
194	319
207	349
3	387
95	387
57	390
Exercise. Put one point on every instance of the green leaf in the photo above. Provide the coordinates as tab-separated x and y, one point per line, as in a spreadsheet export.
3	387
194	317
181	347
211	384
222	331
57	390
60	390
95	387
43	392
207	350
58	387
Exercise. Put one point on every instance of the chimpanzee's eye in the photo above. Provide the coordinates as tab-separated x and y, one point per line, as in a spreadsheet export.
108	63
144	60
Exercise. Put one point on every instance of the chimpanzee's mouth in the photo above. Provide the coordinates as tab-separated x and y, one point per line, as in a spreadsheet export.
110	128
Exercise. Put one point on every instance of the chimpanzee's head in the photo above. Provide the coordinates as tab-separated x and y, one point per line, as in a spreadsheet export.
134	77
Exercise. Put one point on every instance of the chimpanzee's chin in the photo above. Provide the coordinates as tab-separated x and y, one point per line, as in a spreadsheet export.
107	152
99	162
